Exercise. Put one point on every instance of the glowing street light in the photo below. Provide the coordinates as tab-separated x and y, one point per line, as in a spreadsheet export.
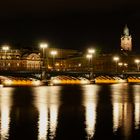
91	51
89	57
123	66
116	59
53	53
120	64
137	61
43	46
5	48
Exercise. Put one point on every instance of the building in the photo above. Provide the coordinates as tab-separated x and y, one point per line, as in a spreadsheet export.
33	60
126	40
102	63
19	60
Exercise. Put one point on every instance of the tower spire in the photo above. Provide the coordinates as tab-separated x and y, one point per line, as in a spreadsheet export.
126	40
126	30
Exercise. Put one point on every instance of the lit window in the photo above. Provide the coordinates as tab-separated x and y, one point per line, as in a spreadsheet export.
8	57
3	57
17	57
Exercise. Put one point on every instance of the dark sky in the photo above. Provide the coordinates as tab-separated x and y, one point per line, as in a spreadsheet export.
75	24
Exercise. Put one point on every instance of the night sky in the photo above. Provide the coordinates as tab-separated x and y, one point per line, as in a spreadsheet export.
72	24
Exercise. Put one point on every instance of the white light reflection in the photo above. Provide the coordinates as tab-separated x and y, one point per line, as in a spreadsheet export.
117	115
122	109
127	119
5	112
47	104
90	103
137	115
90	118
137	106
53	120
42	123
118	91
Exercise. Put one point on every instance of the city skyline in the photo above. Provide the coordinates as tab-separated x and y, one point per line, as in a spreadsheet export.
69	25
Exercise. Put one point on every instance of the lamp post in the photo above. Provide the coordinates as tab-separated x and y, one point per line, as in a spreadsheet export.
137	61
91	51
53	53
116	59
5	48
123	66
43	46
89	57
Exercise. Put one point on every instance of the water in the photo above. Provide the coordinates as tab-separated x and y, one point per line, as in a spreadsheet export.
80	112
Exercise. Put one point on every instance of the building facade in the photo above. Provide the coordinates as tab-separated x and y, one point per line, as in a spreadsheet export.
126	40
19	60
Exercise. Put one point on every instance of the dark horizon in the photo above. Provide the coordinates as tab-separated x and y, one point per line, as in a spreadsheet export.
69	25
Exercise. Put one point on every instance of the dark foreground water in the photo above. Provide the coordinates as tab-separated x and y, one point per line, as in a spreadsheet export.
85	112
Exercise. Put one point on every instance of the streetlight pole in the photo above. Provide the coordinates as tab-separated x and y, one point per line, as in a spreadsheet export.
91	51
137	61
53	53
5	48
89	57
116	59
43	46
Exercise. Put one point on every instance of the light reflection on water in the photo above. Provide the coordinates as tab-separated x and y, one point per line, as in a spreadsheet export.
5	104
70	112
90	103
47	105
136	89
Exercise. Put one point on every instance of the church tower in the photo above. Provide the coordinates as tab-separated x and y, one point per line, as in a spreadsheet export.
126	40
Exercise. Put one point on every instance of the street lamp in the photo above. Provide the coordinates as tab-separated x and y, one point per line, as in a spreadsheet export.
116	59
5	48
43	46
53	53
89	57
137	61
123	66
91	51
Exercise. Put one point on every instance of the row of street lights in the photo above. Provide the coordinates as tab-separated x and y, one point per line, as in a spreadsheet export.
89	56
44	47
116	59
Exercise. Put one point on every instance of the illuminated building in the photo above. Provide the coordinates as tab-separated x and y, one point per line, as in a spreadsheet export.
31	60
19	60
126	40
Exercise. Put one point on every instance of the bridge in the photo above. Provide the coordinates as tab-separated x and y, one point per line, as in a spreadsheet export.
49	74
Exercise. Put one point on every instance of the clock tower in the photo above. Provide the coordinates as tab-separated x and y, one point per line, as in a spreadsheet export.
126	40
